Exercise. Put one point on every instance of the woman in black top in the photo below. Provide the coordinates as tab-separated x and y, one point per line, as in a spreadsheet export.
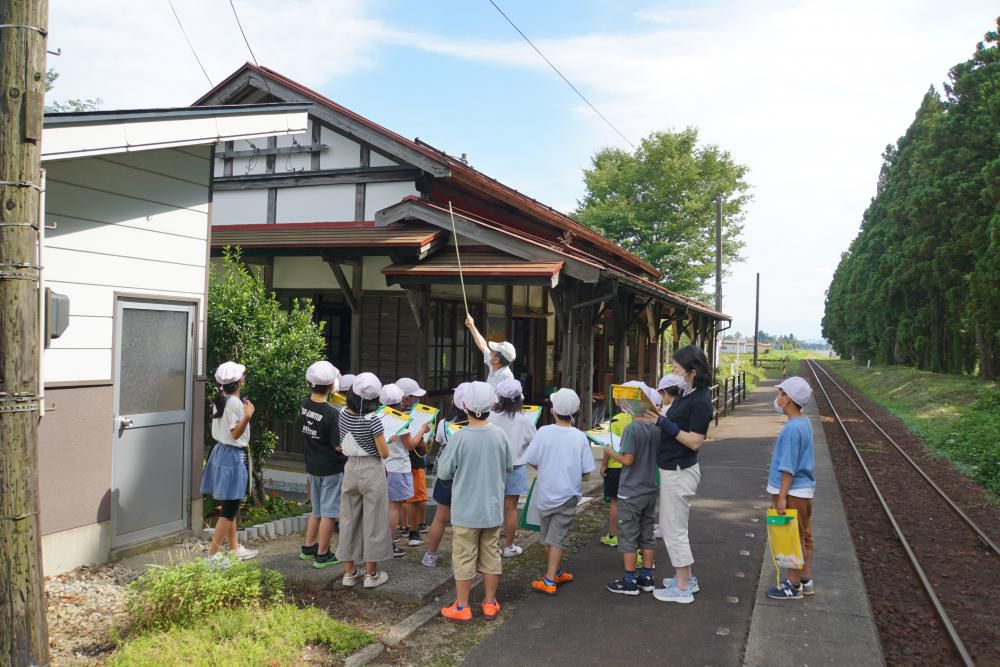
682	432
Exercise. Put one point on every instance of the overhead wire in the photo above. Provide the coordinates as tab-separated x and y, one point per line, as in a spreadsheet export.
561	75
190	45
247	42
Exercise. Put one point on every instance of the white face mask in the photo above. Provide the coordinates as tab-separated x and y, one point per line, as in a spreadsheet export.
777	408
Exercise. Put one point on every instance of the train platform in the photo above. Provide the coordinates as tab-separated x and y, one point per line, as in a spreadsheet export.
731	621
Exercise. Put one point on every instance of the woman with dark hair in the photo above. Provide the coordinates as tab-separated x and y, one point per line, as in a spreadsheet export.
682	432
226	475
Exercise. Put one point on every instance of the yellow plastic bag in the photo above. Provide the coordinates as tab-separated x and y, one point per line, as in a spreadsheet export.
783	536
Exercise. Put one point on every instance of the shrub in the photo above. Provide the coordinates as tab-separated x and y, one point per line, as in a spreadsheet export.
184	593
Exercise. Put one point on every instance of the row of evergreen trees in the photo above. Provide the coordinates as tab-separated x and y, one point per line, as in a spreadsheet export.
921	282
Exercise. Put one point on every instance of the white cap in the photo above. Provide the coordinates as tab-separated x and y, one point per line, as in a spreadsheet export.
566	402
367	386
650	393
478	397
504	349
229	372
410	387
322	372
671	380
346	381
459	393
390	395
510	388
797	389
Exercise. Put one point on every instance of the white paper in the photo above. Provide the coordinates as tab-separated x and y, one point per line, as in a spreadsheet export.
391	424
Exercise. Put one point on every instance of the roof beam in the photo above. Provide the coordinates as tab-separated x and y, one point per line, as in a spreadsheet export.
334	118
323	177
349	294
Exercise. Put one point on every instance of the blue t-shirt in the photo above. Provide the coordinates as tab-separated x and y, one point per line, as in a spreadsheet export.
793	453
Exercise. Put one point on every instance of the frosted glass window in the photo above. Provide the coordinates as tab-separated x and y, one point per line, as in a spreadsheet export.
152	377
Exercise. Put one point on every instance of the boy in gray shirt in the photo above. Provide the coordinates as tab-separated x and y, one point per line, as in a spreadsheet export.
477	459
637	493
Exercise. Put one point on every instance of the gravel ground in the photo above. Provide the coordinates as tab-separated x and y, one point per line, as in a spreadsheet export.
908	628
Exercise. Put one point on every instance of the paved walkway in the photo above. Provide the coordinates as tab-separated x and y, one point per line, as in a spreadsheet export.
730	614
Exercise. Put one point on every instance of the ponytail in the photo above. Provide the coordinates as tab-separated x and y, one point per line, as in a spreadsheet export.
510	406
222	394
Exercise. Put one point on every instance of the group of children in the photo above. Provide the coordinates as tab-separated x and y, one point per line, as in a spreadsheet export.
363	484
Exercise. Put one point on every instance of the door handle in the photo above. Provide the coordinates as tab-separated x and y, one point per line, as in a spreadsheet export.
123	423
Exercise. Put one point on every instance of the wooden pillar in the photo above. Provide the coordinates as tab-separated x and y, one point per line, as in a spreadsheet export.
508	312
586	380
420	305
356	316
620	311
23	631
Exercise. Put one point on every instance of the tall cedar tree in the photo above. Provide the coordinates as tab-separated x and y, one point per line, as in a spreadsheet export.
659	203
920	283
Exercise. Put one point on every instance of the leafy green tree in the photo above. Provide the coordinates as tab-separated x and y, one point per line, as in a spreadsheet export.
246	324
659	203
69	105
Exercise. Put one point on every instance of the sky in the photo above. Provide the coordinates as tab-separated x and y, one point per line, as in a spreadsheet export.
807	93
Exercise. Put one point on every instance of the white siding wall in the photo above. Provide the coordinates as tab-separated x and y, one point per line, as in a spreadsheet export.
381	195
316	203
133	223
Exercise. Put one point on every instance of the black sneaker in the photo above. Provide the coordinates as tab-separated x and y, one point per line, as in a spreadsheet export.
308	553
325	560
422	528
645	584
624	587
415	540
397	552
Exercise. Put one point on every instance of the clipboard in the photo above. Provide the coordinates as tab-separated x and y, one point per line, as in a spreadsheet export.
422	414
632	400
455	427
533	411
393	421
602	437
338	399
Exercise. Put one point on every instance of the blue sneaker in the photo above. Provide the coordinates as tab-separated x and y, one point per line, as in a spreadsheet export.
674	594
692	583
645	584
623	586
786	591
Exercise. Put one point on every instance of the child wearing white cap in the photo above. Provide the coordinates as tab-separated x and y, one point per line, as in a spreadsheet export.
318	423
442	487
669	387
399	471
791	480
226	475
561	454
477	460
497	356
415	507
520	429
364	511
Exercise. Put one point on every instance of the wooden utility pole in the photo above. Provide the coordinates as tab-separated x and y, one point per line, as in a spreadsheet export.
756	322
23	632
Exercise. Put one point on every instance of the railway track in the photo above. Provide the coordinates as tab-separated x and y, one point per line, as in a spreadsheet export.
950	554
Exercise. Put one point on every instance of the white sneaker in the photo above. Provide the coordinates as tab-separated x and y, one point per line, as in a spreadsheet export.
351	579
674	594
512	550
246	554
374	582
692	583
218	561
430	559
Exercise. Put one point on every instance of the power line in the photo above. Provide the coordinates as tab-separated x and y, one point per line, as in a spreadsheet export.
195	53
266	85
561	76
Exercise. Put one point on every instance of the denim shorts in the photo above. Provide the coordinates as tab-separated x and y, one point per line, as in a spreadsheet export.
516	482
400	486
324	491
442	492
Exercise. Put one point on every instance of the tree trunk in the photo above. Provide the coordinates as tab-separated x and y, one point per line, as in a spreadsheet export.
23	632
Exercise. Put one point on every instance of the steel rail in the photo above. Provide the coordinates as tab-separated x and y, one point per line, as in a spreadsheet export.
928	588
983	537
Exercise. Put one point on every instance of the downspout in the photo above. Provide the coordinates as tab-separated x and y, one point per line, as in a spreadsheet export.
42	326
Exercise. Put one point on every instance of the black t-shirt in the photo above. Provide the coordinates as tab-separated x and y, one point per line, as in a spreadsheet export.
320	438
692	413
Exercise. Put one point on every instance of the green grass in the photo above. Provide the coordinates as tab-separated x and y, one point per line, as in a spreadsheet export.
250	636
958	416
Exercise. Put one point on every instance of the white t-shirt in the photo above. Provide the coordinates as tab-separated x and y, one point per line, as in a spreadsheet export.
222	426
399	456
520	430
562	455
495	377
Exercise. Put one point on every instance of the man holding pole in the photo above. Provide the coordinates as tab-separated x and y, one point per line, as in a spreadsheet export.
497	356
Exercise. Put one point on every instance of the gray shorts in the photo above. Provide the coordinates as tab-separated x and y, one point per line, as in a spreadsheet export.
555	523
636	517
400	486
324	492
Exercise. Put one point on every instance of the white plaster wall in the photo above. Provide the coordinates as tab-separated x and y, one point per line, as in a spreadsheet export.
379	160
69	549
239	207
318	203
341	152
296	161
382	195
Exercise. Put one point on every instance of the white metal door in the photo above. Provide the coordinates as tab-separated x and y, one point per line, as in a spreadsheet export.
152	419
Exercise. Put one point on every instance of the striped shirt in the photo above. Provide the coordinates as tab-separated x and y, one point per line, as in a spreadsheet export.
364	428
